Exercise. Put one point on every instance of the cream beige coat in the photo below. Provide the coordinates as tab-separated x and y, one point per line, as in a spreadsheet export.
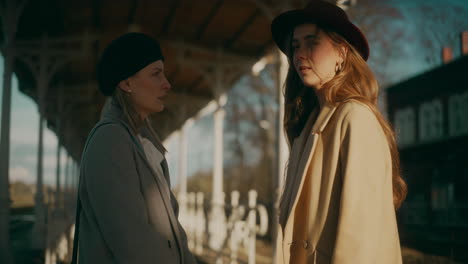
351	217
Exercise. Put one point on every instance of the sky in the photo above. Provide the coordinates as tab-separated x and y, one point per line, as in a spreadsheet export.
408	54
414	33
24	138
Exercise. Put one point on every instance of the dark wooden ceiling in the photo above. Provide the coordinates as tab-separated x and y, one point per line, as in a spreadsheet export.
197	36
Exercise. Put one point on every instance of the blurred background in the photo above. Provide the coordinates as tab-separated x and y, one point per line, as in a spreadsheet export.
223	122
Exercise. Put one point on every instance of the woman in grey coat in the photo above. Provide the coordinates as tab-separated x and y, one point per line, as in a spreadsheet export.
128	212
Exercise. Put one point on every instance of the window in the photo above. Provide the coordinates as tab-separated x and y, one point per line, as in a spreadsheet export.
405	126
430	120
458	114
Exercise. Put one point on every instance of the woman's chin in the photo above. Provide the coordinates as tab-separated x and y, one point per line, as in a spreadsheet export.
156	109
160	108
310	82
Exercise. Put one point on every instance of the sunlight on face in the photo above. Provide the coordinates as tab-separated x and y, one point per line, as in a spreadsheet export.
149	88
314	56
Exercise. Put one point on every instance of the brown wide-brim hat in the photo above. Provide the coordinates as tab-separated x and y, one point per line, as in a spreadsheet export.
323	14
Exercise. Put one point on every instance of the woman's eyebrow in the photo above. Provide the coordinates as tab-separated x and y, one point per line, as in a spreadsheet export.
310	36
306	37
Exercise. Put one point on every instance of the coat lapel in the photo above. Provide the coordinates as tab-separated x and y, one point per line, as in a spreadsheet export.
174	205
114	113
302	163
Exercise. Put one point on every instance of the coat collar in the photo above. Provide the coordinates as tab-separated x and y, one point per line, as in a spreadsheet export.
113	112
323	118
302	151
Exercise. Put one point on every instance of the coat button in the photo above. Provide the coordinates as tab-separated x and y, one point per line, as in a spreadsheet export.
169	244
305	244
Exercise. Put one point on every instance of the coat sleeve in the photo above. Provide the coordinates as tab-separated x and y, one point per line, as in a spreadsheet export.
364	161
113	187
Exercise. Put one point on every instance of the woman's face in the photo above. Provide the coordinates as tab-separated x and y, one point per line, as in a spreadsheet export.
314	56
148	87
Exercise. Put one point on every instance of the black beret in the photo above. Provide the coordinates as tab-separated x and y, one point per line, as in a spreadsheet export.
124	57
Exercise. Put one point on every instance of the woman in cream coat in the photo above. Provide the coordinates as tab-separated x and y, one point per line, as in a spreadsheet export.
343	184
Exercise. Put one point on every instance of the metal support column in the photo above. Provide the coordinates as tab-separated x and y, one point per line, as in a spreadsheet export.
10	12
217	227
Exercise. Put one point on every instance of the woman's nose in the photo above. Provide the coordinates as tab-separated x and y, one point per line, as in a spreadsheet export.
299	54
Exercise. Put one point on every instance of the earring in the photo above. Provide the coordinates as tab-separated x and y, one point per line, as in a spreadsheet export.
338	67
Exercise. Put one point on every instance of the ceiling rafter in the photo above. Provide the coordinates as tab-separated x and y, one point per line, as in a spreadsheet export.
166	27
193	86
96	24
264	46
184	46
242	28
174	73
96	17
208	19
132	12
185	41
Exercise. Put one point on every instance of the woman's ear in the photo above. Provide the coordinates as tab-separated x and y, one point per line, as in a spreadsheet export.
343	53
125	85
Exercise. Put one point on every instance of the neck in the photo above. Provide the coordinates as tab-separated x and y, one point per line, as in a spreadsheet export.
142	114
320	98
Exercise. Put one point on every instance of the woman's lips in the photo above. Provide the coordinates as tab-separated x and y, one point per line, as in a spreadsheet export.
161	98
304	69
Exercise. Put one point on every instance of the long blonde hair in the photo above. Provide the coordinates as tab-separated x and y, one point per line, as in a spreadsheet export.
133	118
355	81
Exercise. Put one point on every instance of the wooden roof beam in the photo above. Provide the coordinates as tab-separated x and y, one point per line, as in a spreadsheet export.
96	16
194	85
187	46
207	21
166	27
243	28
132	12
174	73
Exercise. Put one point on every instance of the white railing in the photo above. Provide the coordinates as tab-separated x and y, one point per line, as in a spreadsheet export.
240	227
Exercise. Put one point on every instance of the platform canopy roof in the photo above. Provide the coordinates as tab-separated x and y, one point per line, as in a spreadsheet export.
197	36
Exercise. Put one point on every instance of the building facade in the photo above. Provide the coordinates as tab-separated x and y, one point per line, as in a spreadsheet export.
430	116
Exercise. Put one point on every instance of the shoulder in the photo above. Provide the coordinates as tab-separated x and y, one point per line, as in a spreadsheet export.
109	131
357	116
355	112
109	135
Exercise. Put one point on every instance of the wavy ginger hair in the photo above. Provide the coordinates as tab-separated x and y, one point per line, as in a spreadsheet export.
355	81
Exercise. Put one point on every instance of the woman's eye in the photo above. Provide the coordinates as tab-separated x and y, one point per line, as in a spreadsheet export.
312	42
156	73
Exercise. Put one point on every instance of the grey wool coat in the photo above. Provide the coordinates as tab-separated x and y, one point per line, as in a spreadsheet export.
129	214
